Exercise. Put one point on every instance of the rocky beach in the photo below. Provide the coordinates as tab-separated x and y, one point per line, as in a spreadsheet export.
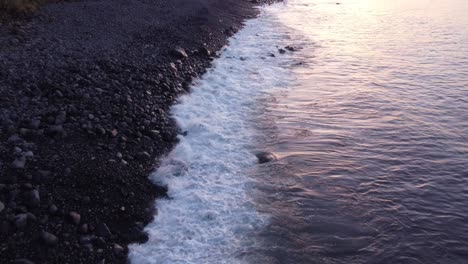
85	93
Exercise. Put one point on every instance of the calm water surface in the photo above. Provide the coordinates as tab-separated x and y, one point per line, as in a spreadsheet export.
371	134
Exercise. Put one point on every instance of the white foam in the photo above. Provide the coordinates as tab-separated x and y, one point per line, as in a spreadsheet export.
209	217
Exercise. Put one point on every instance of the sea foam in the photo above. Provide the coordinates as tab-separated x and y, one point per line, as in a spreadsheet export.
209	216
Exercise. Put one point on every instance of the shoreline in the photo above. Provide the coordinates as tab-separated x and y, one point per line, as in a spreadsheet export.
85	91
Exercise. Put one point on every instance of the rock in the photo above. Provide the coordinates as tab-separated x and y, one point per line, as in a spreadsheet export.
179	53
56	130
2	206
52	209
33	198
118	249
84	228
21	221
144	155
23	261
204	51
74	217
103	230
264	157
49	239
19	163
61	118
290	48
282	51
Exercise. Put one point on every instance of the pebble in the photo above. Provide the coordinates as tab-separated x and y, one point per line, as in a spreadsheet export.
19	163
264	157
179	53
21	221
48	238
75	217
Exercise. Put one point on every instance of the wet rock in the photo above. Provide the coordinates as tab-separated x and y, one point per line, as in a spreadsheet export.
264	157
49	239
282	51
179	53
74	217
19	163
103	230
204	51
118	249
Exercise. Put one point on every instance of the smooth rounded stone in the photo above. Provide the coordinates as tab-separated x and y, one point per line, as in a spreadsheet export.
2	206
264	157
23	261
52	209
19	163
34	198
74	217
204	51
84	228
103	230
144	155
179	53
49	239
21	221
118	249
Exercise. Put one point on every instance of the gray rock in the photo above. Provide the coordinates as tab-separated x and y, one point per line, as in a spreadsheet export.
2	206
49	239
264	157
19	163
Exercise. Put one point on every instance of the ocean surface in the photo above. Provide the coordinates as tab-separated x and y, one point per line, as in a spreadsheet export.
367	112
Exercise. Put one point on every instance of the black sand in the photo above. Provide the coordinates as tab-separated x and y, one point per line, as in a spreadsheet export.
85	93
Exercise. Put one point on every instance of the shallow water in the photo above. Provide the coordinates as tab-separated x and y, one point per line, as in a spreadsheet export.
369	119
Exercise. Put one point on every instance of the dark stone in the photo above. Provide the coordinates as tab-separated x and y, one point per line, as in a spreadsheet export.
282	51
49	239
264	157
74	217
2	206
103	230
118	249
179	53
34	198
84	228
23	261
19	163
21	221
52	209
